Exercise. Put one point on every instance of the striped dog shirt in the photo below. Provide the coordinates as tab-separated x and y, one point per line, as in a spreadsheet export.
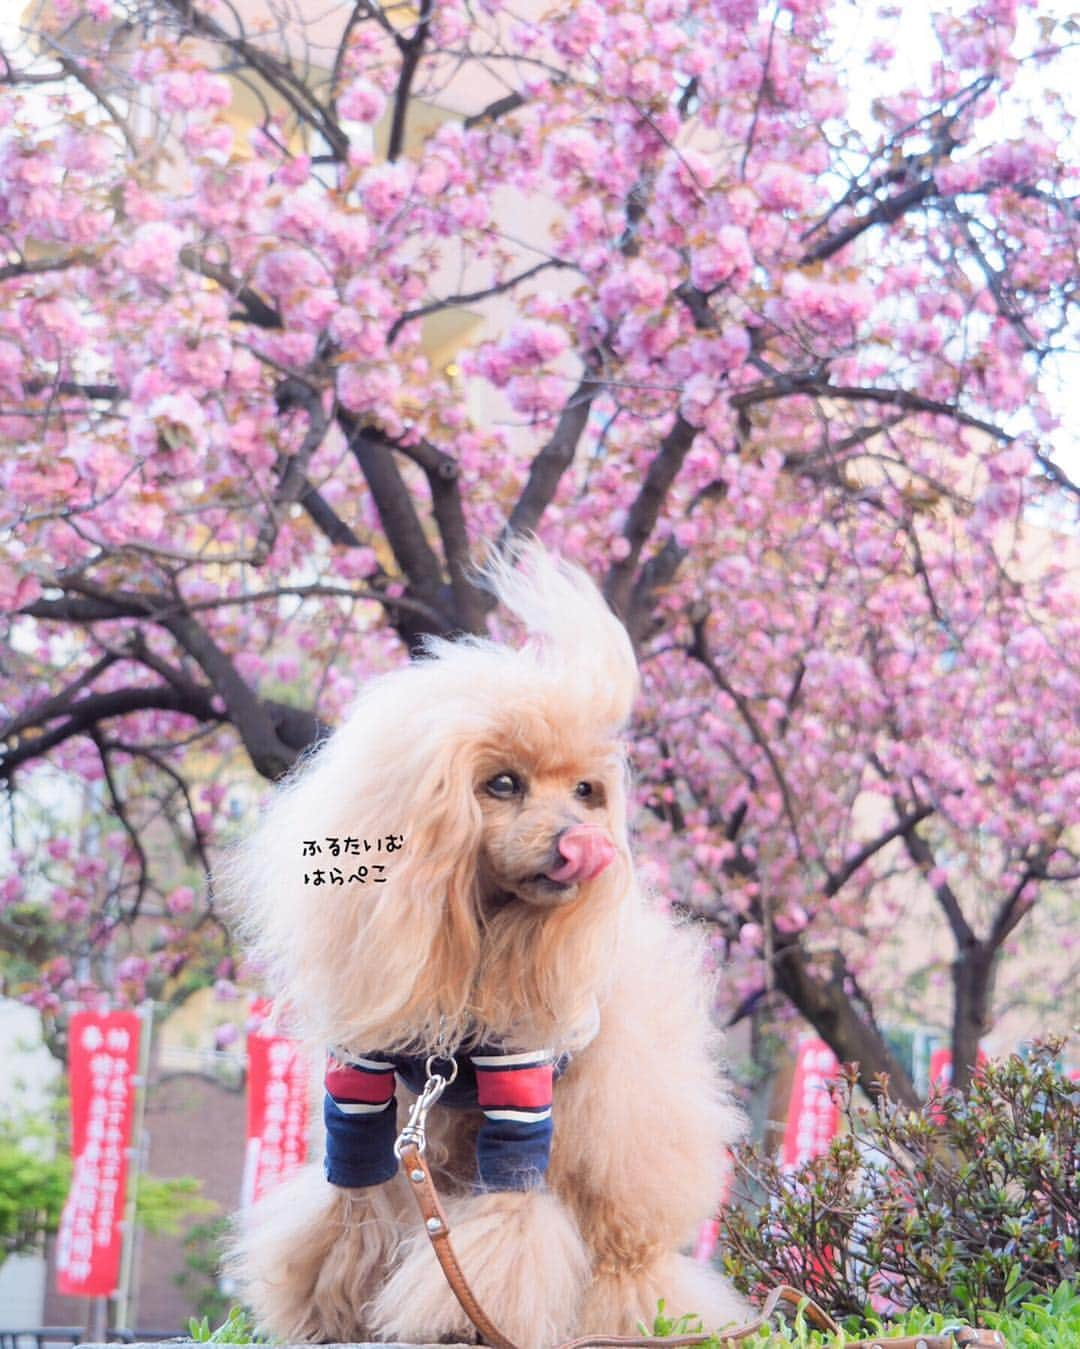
512	1089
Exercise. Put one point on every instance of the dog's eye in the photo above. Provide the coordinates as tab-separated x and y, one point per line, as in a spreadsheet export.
504	786
583	790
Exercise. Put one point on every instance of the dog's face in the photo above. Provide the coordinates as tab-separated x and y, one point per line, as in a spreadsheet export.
552	811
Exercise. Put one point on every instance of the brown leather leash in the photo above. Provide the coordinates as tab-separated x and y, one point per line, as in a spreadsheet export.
410	1149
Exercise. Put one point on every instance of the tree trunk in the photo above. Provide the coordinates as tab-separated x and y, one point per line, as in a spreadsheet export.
973	971
853	1038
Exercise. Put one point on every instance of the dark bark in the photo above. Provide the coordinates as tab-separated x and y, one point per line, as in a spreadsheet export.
645	511
278	72
850	1034
411	51
470	297
884	213
255	310
466	604
269	754
972	972
404	533
658	571
82	715
553	460
499	108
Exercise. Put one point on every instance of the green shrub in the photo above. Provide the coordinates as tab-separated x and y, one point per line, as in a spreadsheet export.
237	1328
1039	1322
32	1192
200	1279
35	1173
970	1204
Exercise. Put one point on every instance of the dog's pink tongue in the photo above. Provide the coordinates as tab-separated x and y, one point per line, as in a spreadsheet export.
585	852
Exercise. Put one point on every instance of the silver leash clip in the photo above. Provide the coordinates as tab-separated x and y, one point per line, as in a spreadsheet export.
414	1133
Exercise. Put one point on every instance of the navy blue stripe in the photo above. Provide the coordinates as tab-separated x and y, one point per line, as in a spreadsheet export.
512	1067
513	1154
517	1109
359	1148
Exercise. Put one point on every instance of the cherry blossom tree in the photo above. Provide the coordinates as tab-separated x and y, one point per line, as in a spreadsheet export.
780	373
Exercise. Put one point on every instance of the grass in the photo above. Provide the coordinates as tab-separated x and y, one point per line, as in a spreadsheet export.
1037	1323
237	1328
1051	1322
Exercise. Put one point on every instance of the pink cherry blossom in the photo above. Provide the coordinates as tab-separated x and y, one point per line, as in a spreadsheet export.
776	367
361	101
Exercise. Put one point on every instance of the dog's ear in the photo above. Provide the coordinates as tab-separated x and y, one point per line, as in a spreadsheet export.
357	892
432	904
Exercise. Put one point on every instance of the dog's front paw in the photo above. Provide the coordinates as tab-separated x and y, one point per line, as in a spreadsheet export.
624	1294
523	1258
310	1255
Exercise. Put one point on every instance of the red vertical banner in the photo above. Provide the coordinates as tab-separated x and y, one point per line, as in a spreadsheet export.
941	1069
279	1087
103	1057
709	1232
941	1076
813	1116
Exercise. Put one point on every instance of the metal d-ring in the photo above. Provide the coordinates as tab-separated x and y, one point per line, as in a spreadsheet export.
429	1068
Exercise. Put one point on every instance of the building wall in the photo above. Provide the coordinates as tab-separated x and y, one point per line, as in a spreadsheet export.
22	1291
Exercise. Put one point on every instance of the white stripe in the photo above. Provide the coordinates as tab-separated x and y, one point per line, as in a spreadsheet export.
360	1107
344	1059
537	1056
523	1116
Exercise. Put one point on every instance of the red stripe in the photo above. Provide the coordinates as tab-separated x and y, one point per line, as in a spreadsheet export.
510	1088
354	1084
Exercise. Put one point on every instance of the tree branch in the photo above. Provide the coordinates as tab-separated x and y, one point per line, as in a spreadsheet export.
255	311
444	482
71	609
120	811
36	266
883	214
326	519
645	510
813	383
829	1009
1014	908
277	73
921	854
471	297
59	704
292	469
269	753
88	712
411	50
400	523
837	879
499	108
699	651
657	572
144	752
553	459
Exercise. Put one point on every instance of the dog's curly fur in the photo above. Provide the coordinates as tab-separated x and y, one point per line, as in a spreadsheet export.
468	935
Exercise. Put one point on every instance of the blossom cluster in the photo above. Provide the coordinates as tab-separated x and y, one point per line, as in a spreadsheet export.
217	336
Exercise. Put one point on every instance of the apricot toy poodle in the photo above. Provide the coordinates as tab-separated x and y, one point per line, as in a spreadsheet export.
488	913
